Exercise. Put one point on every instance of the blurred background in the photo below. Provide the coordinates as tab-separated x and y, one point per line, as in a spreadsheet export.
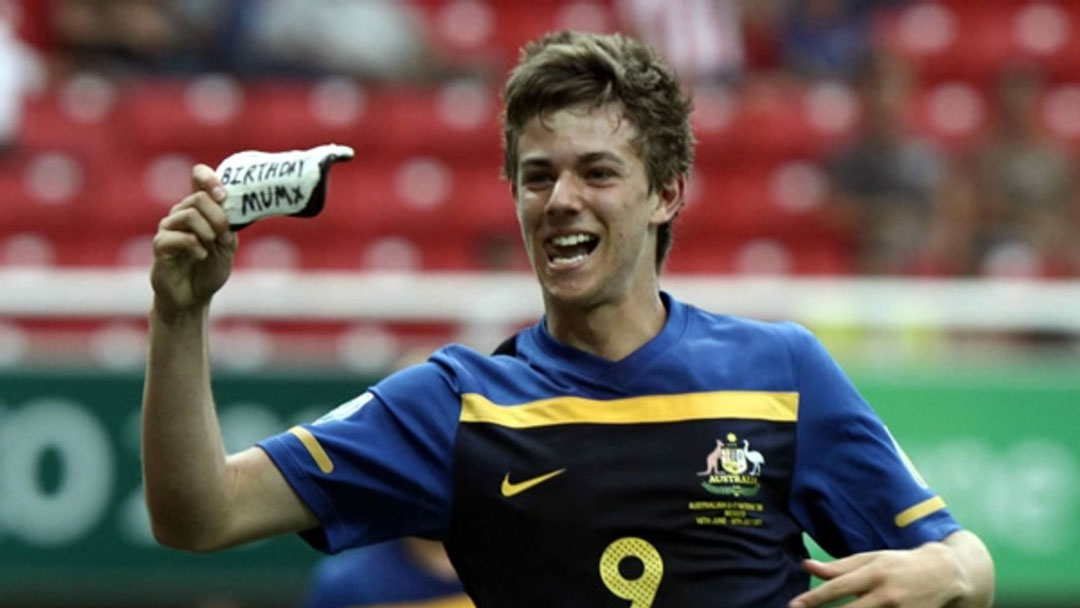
901	176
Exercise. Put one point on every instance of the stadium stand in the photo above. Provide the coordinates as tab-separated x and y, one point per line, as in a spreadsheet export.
426	151
101	155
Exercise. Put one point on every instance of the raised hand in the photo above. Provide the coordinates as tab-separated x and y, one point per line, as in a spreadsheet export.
193	248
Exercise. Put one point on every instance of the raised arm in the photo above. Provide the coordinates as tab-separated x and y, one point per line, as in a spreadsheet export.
199	498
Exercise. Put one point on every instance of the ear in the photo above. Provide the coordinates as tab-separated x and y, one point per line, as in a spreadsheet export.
669	200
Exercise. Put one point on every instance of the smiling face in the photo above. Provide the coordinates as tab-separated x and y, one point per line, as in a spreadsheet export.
587	214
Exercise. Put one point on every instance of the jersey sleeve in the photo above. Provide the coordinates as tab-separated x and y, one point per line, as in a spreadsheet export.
378	466
853	489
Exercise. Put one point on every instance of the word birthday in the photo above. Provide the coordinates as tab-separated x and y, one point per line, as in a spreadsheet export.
241	176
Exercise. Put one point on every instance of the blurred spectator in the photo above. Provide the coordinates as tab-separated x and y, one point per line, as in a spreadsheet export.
828	39
409	570
761	21
124	36
369	39
21	71
888	184
1026	189
701	39
33	22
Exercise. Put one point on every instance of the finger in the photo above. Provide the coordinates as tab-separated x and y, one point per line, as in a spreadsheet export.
827	570
820	569
212	211
870	600
847	585
195	199
208	208
192	221
172	243
204	178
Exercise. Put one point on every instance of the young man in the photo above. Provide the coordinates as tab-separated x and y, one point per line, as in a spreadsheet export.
627	448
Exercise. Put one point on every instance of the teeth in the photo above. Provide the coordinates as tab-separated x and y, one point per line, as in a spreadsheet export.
570	240
571	259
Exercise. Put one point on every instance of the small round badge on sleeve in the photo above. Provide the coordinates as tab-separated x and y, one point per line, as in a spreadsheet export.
267	184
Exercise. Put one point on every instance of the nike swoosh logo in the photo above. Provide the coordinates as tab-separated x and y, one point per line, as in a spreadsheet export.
513	489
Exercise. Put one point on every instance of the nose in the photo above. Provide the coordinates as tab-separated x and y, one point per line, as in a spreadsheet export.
565	195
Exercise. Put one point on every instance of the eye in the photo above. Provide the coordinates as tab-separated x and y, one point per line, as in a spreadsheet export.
536	179
600	174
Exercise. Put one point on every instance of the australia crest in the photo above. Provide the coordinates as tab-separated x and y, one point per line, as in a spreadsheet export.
732	468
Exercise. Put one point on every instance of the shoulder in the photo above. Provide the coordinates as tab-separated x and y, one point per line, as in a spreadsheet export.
748	333
455	368
750	352
470	364
447	364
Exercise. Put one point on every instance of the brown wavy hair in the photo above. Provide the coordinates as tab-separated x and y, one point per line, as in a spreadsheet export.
571	68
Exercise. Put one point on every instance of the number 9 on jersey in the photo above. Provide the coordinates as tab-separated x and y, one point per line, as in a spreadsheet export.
639	590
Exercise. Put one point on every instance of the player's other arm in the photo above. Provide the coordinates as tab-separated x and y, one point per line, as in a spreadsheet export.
954	573
977	569
199	499
838	426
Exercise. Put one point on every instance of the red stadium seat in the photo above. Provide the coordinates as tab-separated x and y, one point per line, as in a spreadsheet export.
1060	113
375	198
756	200
458	119
79	113
288	115
973	41
387	251
722	254
204	117
492	32
137	190
700	254
53	189
764	120
953	114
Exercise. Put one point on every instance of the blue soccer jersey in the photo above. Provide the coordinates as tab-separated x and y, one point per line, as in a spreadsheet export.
682	475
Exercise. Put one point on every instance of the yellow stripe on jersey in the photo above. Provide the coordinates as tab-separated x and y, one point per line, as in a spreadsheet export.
453	601
752	405
314	448
912	514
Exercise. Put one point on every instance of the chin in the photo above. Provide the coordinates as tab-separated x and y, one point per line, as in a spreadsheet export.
577	294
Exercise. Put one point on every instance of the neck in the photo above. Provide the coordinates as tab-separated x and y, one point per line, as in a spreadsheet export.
611	330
